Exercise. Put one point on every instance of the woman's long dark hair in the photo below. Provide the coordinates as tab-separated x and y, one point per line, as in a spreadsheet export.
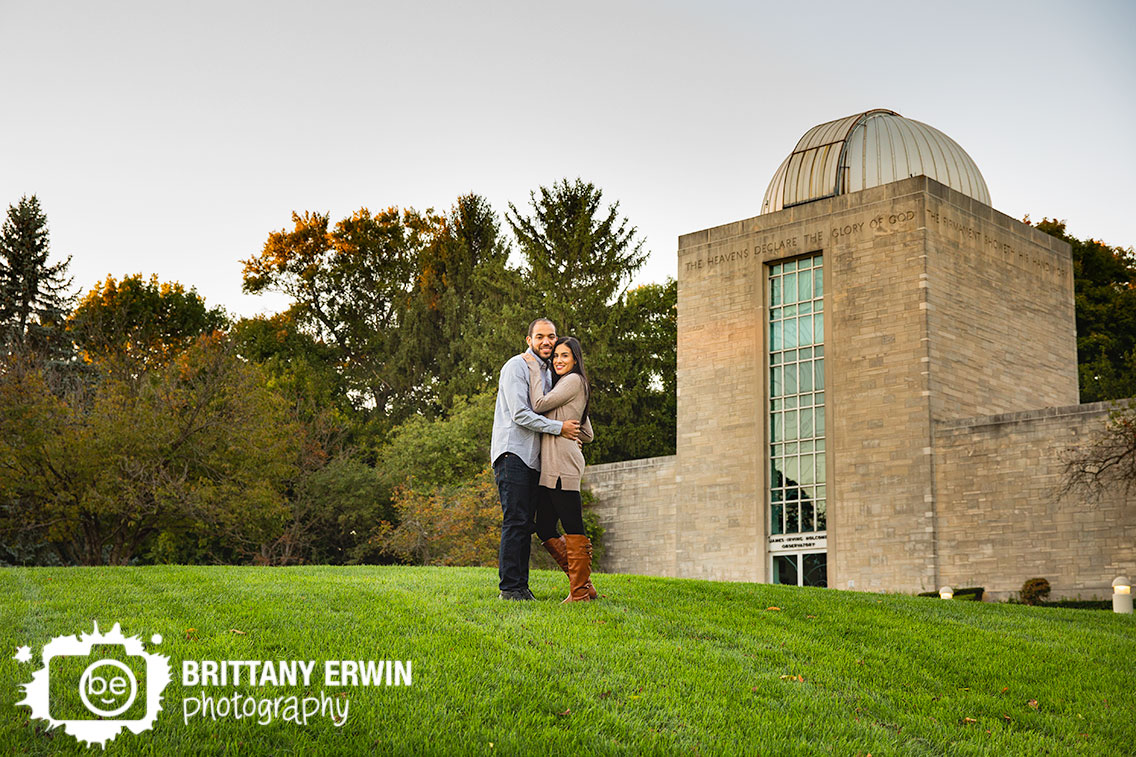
578	356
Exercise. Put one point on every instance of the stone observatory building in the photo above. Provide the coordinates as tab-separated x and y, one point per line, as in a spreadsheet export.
877	380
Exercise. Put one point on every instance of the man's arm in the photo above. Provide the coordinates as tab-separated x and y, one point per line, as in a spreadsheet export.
514	386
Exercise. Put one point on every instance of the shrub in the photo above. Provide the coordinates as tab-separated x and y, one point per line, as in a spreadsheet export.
460	525
1082	604
457	525
1034	591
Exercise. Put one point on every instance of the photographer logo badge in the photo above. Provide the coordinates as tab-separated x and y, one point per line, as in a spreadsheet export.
97	684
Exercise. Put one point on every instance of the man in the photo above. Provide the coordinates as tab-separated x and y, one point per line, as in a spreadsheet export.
516	456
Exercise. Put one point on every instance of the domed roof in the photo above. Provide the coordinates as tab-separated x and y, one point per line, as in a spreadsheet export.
866	150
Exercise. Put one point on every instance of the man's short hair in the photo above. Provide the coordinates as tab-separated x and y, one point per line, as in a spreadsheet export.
540	320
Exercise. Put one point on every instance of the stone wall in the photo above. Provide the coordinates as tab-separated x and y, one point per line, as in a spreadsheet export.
635	501
1001	519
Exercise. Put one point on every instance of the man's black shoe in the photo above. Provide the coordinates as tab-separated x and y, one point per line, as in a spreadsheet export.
522	595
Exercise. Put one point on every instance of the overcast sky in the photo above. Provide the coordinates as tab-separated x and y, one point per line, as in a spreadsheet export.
171	138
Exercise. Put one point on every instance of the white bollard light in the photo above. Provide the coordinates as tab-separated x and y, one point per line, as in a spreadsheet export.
1122	595
946	592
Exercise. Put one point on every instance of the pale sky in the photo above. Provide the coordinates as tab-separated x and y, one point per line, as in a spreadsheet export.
171	138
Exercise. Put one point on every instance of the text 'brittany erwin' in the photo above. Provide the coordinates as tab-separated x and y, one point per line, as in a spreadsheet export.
294	672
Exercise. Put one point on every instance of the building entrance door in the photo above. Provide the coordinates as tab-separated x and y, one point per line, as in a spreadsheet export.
800	569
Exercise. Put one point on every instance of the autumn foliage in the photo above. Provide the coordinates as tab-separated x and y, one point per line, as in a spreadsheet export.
459	525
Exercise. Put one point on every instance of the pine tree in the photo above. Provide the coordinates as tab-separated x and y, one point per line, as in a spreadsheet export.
34	297
580	256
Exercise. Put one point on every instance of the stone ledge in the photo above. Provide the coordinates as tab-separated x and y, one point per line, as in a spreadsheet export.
1092	408
643	462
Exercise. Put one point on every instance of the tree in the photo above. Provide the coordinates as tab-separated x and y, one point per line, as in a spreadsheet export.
1106	460
1105	291
467	302
334	497
445	507
196	446
351	288
34	295
334	509
633	384
579	256
139	324
439	451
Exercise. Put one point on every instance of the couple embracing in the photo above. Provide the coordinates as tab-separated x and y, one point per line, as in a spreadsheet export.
539	424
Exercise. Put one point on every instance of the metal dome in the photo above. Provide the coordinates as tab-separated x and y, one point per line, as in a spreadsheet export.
866	150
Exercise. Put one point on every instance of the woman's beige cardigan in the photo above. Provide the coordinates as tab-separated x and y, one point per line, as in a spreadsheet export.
560	458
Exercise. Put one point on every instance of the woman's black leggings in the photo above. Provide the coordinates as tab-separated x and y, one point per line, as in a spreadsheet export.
557	504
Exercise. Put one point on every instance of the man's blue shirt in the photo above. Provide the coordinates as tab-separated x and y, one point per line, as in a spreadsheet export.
516	426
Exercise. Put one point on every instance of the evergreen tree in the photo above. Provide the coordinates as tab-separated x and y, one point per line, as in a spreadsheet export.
634	397
34	298
580	256
469	294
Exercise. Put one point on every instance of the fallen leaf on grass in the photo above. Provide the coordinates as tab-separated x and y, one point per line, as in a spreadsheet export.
605	694
968	721
563	714
241	633
794	678
191	634
1007	718
767	609
811	616
1005	689
1032	703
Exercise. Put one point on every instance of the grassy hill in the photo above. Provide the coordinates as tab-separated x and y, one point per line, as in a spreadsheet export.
659	666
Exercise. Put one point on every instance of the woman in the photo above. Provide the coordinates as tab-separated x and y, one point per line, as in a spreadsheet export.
562	465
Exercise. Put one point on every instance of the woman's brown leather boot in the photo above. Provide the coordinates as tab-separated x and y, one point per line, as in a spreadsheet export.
558	548
559	551
579	568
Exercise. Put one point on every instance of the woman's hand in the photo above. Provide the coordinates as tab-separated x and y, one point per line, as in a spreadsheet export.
529	358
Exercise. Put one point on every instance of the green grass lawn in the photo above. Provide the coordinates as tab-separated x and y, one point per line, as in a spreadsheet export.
659	666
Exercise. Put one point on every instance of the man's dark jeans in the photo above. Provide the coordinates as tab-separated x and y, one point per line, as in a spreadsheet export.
516	483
